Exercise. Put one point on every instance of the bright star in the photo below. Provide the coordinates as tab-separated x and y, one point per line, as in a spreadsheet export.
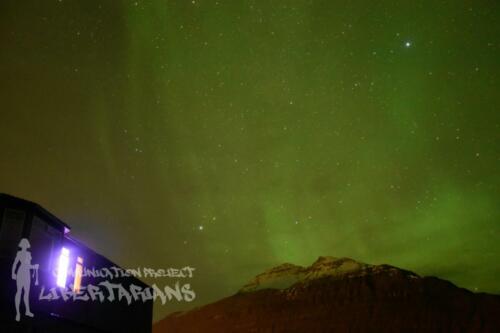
408	44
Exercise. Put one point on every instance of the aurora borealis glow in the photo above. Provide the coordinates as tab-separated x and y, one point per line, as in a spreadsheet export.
236	135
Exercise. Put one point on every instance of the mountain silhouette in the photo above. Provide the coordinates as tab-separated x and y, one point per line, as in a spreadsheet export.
342	295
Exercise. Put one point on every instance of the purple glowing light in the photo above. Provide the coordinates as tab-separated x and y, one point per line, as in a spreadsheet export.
62	268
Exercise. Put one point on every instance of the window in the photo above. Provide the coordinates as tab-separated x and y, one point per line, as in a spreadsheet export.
62	268
78	274
45	243
11	231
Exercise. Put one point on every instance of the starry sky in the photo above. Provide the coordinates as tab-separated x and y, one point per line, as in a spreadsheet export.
233	136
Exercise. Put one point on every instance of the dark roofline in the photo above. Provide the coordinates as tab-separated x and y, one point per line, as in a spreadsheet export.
26	204
36	207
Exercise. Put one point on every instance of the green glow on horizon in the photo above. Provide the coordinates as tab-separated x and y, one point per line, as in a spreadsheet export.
138	124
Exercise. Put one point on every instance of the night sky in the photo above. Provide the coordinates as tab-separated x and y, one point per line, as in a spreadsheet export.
233	136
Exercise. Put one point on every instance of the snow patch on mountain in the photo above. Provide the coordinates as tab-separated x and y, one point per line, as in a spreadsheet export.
286	275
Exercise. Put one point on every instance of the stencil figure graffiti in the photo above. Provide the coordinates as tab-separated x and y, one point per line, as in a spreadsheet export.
21	272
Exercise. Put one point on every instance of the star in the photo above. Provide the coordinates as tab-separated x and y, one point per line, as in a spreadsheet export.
407	44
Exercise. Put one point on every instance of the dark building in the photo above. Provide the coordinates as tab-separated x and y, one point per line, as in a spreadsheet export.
72	288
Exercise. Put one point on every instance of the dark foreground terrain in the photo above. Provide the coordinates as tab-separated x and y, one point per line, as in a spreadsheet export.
342	295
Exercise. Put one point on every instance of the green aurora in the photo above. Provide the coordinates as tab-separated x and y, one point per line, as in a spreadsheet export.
233	136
